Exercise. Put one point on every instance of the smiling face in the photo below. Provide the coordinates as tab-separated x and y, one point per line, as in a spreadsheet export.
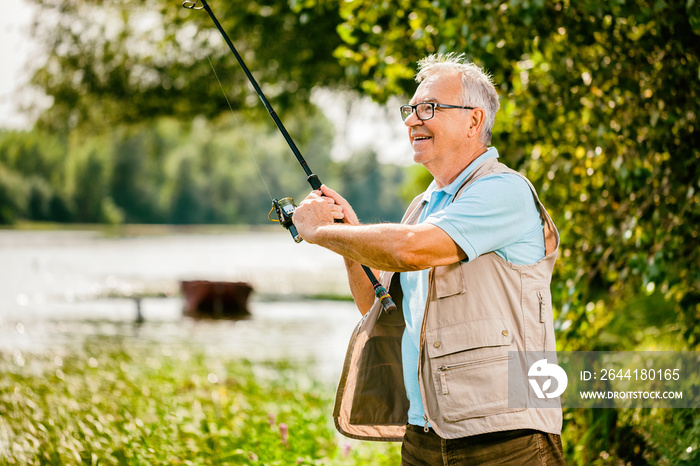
444	144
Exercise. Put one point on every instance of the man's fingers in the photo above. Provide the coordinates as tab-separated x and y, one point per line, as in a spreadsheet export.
337	212
328	192
349	214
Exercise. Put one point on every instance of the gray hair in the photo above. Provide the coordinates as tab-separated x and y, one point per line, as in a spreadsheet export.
477	86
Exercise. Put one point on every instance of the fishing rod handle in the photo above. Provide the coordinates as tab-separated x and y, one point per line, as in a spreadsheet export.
314	182
295	234
380	292
384	297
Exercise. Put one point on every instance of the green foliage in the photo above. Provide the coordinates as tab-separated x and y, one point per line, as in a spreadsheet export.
32	177
599	107
111	62
13	195
165	172
125	402
204	172
632	436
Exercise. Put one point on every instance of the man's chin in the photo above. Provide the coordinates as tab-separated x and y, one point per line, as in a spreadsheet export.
420	157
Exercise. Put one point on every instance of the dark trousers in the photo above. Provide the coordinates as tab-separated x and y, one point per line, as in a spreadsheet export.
516	447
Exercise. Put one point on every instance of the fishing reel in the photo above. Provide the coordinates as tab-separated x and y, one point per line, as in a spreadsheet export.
284	208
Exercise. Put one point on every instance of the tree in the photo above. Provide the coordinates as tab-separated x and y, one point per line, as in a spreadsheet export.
13	196
599	109
123	62
135	179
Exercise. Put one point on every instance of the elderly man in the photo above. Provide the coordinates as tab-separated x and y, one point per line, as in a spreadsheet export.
470	268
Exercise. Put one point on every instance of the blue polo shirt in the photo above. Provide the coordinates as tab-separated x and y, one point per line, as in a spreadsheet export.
496	213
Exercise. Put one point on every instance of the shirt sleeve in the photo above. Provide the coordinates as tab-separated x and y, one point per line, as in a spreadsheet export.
496	213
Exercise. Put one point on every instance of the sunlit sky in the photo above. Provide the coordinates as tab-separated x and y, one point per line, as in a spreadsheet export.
15	47
367	125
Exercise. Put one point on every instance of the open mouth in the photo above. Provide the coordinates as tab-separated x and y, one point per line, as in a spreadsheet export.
421	138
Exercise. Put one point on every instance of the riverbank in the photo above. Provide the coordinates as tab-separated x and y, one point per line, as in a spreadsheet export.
43	263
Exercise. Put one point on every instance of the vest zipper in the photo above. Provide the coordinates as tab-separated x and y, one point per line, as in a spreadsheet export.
443	380
541	299
447	367
426	429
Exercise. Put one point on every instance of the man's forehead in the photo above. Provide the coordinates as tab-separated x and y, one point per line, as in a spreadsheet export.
438	87
417	99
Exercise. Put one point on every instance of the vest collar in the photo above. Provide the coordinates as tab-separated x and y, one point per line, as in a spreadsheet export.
452	188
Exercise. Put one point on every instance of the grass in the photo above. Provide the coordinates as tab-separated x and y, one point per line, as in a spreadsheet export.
121	401
118	400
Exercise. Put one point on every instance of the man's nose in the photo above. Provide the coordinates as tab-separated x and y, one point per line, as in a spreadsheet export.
413	120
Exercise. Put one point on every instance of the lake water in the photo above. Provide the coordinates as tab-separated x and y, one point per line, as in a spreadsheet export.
58	288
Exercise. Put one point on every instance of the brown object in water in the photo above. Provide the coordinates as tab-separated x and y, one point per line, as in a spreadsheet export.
218	300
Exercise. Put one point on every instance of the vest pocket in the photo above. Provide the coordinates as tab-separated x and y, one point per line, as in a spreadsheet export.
473	389
469	365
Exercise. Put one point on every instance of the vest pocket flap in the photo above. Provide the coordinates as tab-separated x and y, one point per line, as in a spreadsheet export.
449	280
465	336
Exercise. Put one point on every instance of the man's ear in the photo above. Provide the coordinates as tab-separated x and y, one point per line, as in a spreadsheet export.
476	122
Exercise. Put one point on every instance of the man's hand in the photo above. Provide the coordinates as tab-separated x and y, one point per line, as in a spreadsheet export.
349	215
316	211
391	247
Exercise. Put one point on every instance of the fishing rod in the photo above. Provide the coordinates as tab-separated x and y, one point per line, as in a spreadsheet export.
284	208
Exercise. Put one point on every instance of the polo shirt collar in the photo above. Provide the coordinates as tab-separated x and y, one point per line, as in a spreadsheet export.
452	188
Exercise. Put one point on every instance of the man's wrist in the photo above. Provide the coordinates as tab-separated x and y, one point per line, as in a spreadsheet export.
322	234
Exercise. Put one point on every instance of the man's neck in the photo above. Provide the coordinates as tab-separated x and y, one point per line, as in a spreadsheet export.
452	172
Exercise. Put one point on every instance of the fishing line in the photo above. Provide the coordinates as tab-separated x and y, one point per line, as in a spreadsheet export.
245	139
284	208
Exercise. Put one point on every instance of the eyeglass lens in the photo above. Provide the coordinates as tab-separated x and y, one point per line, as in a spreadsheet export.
424	111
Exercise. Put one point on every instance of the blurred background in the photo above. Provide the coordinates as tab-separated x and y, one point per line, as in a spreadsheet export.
123	170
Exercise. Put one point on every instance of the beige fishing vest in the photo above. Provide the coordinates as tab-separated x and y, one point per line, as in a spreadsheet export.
476	312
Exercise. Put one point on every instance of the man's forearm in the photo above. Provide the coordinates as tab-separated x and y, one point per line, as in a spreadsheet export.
360	286
393	247
382	246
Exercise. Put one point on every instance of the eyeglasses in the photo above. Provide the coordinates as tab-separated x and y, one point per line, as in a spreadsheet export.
425	110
